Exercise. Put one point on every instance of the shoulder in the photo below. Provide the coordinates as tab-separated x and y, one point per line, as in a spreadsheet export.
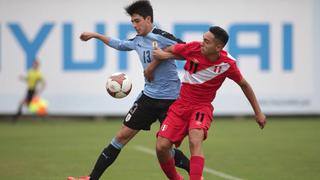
166	35
134	38
228	57
193	46
188	48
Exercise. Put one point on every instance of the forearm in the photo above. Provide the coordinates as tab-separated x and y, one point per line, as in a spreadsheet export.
22	78
111	42
171	54
102	38
148	72
249	93
165	54
153	65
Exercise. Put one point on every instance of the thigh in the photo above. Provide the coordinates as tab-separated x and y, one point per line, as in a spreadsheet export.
201	118
29	96
162	107
174	127
140	116
125	134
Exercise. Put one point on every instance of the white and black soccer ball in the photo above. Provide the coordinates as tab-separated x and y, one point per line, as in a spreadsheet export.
118	85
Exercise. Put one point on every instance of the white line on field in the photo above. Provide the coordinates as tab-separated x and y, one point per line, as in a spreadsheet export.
206	169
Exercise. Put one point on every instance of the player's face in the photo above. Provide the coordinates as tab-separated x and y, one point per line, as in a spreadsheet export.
142	25
210	45
35	65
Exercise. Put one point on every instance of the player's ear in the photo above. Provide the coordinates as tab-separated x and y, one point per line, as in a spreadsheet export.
219	47
148	18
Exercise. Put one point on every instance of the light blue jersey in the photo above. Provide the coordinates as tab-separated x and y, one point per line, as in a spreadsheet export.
166	83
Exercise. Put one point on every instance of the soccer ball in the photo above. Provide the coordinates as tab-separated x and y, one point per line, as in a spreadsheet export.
118	85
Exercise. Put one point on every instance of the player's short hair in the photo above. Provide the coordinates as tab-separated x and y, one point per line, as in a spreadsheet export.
219	34
141	7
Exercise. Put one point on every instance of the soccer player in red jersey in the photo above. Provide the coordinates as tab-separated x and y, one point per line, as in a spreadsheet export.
207	66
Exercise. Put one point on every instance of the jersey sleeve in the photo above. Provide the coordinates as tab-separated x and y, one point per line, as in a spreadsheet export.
184	49
181	49
122	45
234	73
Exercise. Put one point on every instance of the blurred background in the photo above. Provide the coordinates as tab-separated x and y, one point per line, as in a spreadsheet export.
276	43
276	47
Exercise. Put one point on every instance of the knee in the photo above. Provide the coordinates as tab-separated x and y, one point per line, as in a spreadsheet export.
196	137
194	143
122	138
163	145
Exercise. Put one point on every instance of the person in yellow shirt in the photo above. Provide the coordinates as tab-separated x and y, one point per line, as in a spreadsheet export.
35	85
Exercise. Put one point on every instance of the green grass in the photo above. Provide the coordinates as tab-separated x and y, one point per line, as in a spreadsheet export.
287	149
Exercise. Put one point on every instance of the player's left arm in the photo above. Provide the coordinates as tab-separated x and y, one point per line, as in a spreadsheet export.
148	72
249	93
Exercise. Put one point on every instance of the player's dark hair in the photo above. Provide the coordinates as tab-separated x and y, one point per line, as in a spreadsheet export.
141	7
219	34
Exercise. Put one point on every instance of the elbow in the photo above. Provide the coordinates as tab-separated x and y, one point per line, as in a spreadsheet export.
244	84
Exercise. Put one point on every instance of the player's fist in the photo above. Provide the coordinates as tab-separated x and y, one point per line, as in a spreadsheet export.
261	120
85	36
158	53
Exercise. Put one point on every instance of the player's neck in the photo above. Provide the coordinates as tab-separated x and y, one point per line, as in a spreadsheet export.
214	57
148	30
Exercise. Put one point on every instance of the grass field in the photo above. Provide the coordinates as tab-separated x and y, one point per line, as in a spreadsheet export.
287	149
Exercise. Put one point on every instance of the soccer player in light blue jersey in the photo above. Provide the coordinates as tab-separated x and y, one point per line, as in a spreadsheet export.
160	90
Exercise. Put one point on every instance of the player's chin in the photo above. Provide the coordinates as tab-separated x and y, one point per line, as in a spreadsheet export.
138	32
203	51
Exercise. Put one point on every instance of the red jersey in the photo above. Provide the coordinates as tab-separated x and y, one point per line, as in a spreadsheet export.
203	77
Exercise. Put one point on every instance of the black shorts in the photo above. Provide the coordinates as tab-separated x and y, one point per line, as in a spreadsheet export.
29	96
145	111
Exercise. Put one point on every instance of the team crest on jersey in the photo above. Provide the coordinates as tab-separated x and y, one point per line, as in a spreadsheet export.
217	69
154	44
164	127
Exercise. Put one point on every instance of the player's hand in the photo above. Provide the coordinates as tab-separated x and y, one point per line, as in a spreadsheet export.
85	36
261	120
22	78
158	54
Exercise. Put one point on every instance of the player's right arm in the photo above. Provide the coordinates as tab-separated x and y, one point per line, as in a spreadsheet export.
166	53
85	36
22	78
111	42
249	93
158	56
